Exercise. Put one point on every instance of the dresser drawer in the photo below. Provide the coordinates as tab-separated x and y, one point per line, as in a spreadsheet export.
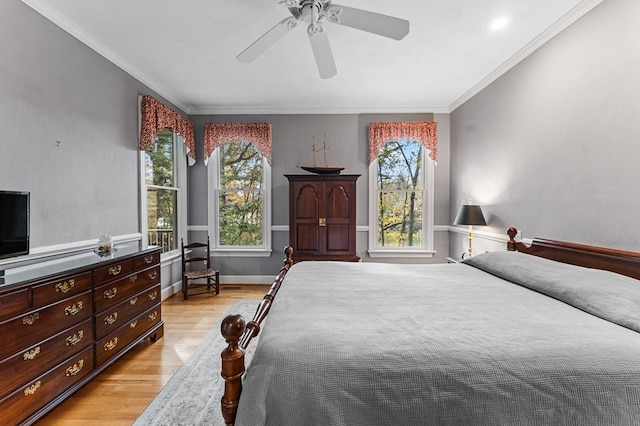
29	398
37	359
115	292
45	294
110	345
112	318
144	261
35	326
14	303
112	271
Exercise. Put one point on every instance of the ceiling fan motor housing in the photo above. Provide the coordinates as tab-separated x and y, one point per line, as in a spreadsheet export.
306	9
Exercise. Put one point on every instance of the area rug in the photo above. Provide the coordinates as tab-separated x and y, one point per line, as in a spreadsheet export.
192	396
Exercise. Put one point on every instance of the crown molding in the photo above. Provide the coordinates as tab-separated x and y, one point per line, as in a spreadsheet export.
252	109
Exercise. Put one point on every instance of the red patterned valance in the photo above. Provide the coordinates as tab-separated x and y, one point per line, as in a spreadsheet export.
257	133
156	116
425	132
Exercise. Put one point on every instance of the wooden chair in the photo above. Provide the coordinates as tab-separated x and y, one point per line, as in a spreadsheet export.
196	269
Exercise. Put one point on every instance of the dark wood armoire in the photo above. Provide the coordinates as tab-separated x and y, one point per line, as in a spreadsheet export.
322	217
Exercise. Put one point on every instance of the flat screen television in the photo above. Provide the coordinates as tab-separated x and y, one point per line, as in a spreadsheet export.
14	223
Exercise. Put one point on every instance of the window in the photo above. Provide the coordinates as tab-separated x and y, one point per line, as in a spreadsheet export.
163	200
401	189
240	199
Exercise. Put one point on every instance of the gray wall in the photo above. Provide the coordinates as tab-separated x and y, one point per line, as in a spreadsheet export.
553	147
54	88
291	139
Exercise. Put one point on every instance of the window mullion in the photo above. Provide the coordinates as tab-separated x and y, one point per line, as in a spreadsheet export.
168	188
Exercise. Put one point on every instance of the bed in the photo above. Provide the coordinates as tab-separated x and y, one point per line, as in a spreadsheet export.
535	335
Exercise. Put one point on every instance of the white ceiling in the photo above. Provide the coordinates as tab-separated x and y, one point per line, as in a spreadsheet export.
186	51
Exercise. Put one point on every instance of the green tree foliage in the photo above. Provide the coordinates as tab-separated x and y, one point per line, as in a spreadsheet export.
161	192
400	194
241	194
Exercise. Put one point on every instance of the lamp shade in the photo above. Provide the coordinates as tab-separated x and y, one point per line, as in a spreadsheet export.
470	214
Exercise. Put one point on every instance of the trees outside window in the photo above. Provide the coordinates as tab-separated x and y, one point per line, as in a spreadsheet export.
240	195
402	178
240	213
162	191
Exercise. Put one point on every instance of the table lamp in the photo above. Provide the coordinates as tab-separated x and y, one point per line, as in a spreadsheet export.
470	214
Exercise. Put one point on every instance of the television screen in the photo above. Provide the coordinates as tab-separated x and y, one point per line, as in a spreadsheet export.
14	223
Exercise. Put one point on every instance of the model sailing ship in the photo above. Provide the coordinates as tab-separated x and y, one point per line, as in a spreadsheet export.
324	169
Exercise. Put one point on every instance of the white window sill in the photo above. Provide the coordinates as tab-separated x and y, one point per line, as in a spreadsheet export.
245	252
401	253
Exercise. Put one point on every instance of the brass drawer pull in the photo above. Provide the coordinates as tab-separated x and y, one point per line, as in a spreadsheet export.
133	324
115	270
111	293
148	259
74	339
75	368
153	296
73	309
30	319
111	318
133	278
111	344
31	354
133	301
322	221
65	286
32	389
153	315
152	275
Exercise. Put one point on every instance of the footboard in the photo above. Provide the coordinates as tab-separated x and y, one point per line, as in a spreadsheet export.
238	336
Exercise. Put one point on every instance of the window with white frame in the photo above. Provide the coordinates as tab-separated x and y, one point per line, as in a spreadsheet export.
240	199
401	200
163	198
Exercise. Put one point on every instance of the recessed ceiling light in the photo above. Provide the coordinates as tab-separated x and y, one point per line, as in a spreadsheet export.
499	23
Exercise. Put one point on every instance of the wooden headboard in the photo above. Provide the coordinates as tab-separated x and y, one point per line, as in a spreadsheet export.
619	261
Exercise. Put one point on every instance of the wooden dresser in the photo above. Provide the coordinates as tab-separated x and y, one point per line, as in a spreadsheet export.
64	321
322	217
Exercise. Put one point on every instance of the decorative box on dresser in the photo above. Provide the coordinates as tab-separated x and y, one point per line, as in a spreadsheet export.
64	321
322	217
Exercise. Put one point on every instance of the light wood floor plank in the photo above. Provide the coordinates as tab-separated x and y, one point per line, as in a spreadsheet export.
119	394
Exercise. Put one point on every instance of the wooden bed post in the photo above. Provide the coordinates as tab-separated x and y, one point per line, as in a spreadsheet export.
511	244
238	336
232	328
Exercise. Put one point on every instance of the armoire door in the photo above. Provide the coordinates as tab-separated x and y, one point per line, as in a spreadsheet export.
322	217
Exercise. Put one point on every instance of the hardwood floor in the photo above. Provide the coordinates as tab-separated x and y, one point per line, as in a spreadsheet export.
119	394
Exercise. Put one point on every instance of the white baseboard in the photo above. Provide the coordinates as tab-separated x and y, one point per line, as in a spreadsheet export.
247	279
224	280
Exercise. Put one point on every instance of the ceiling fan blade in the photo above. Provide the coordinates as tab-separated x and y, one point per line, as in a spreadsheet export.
322	50
372	22
267	39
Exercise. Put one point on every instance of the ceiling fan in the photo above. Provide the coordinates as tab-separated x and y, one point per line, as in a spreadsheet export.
315	12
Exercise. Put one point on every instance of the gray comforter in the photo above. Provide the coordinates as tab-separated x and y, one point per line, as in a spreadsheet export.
381	344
